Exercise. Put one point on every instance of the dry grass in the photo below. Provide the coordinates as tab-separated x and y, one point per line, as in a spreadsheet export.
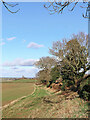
43	104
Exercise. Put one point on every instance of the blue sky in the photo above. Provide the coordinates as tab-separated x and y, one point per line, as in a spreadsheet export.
27	35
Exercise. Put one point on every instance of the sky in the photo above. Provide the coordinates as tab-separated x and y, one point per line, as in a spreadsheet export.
28	34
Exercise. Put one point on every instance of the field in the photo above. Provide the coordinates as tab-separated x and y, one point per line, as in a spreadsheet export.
41	102
15	89
10	80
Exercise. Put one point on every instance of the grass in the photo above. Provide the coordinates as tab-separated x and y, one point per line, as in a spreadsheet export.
43	104
12	91
20	81
25	81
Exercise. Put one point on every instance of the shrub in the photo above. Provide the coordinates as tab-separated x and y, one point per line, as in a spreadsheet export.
84	94
63	88
84	89
48	84
55	73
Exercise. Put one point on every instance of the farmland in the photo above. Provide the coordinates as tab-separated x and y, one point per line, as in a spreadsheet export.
12	90
41	102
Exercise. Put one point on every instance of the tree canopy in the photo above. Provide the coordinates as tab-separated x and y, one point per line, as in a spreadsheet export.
72	57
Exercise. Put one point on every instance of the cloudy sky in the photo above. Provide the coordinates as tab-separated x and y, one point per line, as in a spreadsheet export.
27	35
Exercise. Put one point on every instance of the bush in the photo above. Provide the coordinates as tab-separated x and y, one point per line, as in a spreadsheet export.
63	88
43	82
84	89
70	83
55	73
48	84
84	94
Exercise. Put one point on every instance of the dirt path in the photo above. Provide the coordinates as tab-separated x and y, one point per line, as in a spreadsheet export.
14	101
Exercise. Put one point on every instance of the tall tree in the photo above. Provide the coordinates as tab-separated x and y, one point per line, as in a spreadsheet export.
72	56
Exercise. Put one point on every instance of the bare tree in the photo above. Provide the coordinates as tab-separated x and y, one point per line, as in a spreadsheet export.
43	76
58	7
45	63
8	5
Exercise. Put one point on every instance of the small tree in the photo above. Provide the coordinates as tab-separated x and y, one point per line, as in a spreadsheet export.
45	64
43	76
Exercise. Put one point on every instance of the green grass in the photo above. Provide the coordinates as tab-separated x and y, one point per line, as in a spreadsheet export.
12	91
24	81
20	81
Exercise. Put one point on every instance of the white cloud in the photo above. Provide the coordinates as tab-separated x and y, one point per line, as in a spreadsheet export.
34	45
20	62
2	43
12	38
19	72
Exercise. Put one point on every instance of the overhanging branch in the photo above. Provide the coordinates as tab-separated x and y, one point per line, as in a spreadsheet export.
7	5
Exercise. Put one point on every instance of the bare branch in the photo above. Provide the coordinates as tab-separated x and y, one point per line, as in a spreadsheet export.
6	5
59	7
74	6
12	5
